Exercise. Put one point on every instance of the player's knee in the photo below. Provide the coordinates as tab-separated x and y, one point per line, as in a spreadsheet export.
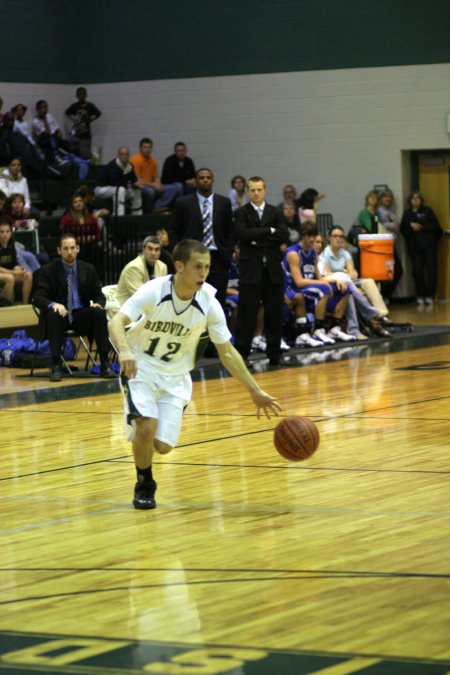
145	431
162	448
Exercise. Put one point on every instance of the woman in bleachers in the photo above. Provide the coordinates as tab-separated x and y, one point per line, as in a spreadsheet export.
85	228
308	202
12	182
78	221
238	194
17	214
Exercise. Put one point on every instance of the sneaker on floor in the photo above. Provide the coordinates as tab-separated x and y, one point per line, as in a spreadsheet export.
307	340
284	346
429	301
361	336
144	495
259	343
420	301
336	333
320	334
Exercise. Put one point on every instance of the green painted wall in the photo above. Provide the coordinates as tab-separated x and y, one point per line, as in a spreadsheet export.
37	43
112	40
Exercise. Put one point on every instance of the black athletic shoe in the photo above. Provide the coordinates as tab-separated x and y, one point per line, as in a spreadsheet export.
144	495
107	372
56	373
281	360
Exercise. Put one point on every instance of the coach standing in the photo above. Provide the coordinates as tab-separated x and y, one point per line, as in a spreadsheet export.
260	231
207	217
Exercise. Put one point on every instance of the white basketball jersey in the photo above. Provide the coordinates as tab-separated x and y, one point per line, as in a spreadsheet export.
169	339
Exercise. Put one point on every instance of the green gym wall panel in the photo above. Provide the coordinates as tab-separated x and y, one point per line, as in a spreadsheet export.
116	41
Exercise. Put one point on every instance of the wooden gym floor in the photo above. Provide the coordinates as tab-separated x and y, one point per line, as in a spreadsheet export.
250	565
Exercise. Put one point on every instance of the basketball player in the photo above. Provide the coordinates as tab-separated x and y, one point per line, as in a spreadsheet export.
156	333
308	292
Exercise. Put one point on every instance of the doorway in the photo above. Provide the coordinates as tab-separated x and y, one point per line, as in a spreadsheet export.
434	184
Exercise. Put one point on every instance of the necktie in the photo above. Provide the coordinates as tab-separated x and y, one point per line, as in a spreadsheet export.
70	295
207	224
260	212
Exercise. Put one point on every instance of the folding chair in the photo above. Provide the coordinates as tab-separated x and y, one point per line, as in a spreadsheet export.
69	333
324	223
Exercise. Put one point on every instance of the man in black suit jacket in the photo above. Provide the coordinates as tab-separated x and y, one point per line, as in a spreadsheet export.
84	312
260	230
191	218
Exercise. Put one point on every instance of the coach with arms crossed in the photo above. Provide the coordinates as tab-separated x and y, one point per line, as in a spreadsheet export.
260	231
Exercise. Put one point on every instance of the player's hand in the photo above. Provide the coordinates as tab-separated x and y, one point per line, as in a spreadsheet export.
267	403
128	365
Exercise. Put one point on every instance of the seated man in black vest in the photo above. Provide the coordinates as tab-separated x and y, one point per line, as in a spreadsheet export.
69	294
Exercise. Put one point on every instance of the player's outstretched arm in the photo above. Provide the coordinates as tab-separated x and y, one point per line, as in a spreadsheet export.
234	363
116	328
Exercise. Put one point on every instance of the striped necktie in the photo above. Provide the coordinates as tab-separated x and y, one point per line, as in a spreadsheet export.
70	295
207	224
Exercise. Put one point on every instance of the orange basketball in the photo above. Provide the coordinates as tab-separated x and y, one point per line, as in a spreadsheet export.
296	438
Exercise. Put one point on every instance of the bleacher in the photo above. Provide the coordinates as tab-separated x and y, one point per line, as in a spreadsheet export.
122	241
122	236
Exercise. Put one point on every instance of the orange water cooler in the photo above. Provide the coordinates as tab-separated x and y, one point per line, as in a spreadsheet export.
376	256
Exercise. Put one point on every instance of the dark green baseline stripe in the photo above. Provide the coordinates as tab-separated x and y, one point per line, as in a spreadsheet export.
22	653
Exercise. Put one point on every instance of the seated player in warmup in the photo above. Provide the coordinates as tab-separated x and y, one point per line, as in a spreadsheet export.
156	333
311	294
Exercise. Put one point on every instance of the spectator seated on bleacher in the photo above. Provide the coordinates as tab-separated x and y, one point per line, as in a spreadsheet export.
11	273
166	257
307	205
238	194
14	144
47	133
88	195
13	182
156	196
84	226
119	182
17	215
78	221
22	126
179	168
291	220
289	193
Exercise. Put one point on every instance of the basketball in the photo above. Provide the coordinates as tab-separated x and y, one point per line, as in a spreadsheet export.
296	438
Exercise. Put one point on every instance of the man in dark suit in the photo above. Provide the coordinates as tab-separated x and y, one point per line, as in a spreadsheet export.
206	217
69	294
260	230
